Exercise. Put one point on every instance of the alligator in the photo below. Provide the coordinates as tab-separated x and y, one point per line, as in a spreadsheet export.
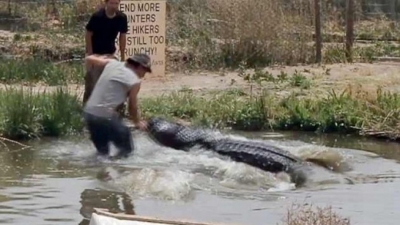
257	154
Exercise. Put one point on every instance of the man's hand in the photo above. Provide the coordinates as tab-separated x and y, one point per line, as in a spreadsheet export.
133	107
142	125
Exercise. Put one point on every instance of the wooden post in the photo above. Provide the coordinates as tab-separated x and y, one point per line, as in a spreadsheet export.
318	37
349	29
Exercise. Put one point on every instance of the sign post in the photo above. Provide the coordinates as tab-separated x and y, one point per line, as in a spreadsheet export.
146	31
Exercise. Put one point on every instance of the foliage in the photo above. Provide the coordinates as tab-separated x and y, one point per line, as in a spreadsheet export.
307	215
28	114
345	112
40	70
209	34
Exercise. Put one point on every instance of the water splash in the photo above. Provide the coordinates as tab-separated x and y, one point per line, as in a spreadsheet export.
170	174
146	182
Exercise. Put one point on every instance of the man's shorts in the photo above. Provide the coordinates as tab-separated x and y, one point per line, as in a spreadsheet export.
105	130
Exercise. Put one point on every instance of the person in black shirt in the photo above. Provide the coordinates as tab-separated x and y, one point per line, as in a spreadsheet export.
101	32
103	28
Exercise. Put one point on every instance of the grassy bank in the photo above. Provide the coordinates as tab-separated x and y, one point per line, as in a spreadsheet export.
26	114
34	70
371	114
44	71
206	34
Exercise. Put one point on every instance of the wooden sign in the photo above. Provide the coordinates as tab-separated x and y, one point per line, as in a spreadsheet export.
146	31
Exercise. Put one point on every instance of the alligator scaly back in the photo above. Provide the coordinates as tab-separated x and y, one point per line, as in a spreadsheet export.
258	154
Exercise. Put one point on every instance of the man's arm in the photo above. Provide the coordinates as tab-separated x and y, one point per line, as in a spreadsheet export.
133	104
88	41
96	60
122	37
88	35
122	45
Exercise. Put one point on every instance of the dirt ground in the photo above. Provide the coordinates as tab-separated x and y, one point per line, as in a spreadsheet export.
323	78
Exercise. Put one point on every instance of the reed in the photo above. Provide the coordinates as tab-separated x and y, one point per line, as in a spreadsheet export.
36	70
351	111
26	114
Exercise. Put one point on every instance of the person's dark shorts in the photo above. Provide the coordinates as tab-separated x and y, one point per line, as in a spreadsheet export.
105	130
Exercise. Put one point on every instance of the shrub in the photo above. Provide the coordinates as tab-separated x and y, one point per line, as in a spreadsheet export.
28	114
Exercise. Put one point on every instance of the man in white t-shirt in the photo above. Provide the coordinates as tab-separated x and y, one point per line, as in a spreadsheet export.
118	81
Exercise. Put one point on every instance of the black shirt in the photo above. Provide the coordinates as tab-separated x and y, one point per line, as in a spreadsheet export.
105	30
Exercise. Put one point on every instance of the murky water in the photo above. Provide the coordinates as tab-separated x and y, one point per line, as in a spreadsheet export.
60	181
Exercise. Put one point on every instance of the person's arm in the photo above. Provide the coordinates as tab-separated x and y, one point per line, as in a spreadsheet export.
88	34
88	41
122	45
96	60
133	104
122	37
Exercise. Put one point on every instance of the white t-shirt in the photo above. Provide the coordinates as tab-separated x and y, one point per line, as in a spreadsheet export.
111	89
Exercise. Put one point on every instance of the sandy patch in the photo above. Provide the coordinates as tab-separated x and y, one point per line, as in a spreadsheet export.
323	78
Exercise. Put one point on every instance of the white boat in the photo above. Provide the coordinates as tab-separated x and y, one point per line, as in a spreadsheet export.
104	217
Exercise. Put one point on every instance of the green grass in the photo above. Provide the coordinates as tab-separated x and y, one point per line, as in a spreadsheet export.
25	114
336	53
40	70
337	112
202	37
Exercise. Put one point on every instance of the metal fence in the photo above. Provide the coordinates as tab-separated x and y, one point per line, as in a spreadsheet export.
210	34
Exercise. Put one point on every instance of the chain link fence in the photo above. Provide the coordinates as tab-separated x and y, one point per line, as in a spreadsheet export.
209	34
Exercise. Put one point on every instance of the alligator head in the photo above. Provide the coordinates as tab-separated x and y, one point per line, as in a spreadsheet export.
172	134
